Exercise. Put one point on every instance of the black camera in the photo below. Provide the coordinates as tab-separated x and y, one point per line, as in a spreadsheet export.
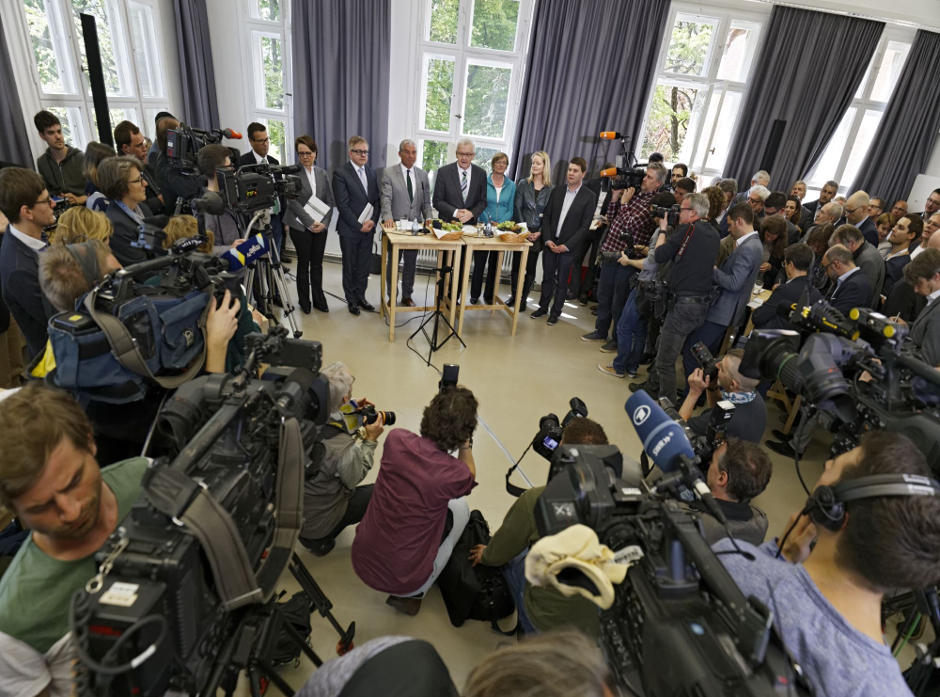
448	377
671	214
184	142
626	178
254	187
707	362
370	415
551	430
604	257
702	446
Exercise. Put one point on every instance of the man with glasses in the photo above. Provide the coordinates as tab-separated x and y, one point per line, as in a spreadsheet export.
875	208
692	249
26	203
920	243
856	213
354	187
260	144
931	205
829	191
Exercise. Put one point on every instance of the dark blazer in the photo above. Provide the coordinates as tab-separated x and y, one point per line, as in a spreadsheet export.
766	317
574	229
447	198
854	292
901	301
126	231
19	276
894	270
925	333
295	216
248	158
351	199
868	228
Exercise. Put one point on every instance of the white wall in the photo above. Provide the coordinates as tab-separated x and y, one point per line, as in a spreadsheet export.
230	60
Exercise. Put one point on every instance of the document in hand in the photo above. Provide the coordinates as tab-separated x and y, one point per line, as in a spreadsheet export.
316	209
366	214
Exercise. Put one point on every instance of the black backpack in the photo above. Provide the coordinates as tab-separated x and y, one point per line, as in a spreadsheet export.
295	611
474	592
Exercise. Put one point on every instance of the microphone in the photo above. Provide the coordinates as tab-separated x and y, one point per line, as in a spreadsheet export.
246	253
612	135
231	134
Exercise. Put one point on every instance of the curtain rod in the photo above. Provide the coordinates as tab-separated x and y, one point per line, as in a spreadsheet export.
899	22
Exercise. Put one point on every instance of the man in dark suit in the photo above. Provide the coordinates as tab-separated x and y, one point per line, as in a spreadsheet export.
582	289
26	203
866	257
565	226
931	205
924	274
260	144
856	213
355	186
851	288
460	192
796	262
828	192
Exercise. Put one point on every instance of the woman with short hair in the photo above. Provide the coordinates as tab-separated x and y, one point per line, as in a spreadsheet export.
122	181
500	195
94	154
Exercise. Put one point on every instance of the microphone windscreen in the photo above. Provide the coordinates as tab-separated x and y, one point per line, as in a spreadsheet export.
612	172
232	134
663	439
609	135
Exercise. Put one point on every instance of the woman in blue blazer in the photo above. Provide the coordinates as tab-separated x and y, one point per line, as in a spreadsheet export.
500	198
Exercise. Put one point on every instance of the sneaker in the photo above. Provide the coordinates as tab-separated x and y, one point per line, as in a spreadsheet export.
609	347
609	370
407	606
552	320
631	373
538	312
594	336
582	301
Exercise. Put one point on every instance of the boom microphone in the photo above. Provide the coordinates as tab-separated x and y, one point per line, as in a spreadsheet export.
233	135
612	135
663	439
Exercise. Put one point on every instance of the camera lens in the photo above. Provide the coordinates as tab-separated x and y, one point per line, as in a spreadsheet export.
388	417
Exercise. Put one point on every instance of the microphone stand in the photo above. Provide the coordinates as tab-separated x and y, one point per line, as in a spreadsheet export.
437	317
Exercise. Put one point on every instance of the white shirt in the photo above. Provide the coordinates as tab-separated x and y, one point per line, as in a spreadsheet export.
404	175
312	178
258	157
499	189
844	276
30	242
743	239
917	250
933	296
565	206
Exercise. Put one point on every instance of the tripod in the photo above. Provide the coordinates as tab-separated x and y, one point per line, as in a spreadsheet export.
253	643
437	317
270	274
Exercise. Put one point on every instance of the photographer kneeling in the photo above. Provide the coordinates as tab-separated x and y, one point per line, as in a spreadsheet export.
333	499
50	479
401	546
750	413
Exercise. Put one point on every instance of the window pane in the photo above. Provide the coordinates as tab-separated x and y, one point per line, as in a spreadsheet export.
277	135
149	126
439	84
273	72
485	101
116	116
721	141
483	157
71	120
146	56
668	120
738	54
826	168
103	21
889	71
494	24
266	9
688	47
433	155
47	49
443	25
863	139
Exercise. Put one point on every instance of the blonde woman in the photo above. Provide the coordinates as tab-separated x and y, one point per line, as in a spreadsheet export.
532	195
79	224
183	227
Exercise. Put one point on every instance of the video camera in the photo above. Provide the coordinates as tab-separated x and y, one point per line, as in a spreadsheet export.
190	572
254	187
628	173
677	599
183	144
551	430
903	395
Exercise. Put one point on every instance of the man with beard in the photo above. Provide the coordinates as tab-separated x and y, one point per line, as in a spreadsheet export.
50	479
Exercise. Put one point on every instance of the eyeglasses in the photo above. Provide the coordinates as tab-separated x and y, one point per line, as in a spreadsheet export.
846	210
44	201
360	152
263	142
136	181
466	154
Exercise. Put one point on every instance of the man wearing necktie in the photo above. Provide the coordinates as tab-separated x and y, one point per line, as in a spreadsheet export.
405	194
260	144
354	187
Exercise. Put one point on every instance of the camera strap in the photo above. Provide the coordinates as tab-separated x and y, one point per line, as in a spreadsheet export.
685	241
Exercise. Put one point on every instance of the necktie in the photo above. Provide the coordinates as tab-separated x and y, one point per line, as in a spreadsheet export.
411	191
464	185
362	178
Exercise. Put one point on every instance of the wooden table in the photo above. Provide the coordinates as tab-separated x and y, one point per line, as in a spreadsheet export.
493	244
398	242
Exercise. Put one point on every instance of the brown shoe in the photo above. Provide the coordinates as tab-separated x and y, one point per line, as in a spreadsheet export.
408	302
408	606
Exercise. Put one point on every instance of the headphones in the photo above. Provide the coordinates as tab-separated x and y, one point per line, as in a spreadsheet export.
87	260
826	505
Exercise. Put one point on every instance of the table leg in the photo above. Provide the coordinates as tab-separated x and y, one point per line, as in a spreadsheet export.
520	282
393	295
382	306
455	265
499	277
464	283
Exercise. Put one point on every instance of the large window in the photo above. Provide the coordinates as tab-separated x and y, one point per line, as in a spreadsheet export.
705	65
128	36
269	36
849	145
472	55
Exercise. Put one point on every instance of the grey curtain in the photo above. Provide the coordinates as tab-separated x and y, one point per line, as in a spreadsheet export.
809	68
341	53
590	69
908	130
200	103
14	137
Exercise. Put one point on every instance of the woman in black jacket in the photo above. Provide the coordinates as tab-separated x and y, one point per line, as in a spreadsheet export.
121	180
529	206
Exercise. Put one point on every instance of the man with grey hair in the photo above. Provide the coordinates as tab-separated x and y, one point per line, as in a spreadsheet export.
799	190
756	196
406	193
865	255
856	213
761	178
828	214
333	499
692	249
828	192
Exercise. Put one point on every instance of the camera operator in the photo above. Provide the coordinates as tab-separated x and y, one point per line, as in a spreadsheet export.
796	262
50	479
738	473
401	546
827	598
228	225
693	251
173	183
540	608
333	499
750	413
924	274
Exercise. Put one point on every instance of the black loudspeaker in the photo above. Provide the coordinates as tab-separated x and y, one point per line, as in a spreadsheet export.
99	94
773	144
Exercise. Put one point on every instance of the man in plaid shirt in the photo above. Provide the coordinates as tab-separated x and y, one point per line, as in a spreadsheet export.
629	214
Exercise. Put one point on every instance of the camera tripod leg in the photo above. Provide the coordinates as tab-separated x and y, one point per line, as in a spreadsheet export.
275	677
254	680
322	603
299	640
281	282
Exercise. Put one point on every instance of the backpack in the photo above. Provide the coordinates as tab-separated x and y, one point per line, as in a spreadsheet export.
296	612
474	592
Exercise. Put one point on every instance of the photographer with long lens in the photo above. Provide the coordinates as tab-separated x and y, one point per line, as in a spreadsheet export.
693	251
333	498
827	598
51	480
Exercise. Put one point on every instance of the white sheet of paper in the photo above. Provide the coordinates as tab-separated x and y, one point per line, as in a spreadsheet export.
469	229
366	214
440	233
316	209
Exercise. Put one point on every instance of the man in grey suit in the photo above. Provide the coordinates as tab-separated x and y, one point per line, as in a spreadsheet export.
866	257
924	274
406	193
735	278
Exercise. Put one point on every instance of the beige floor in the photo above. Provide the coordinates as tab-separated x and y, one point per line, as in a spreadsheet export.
516	380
